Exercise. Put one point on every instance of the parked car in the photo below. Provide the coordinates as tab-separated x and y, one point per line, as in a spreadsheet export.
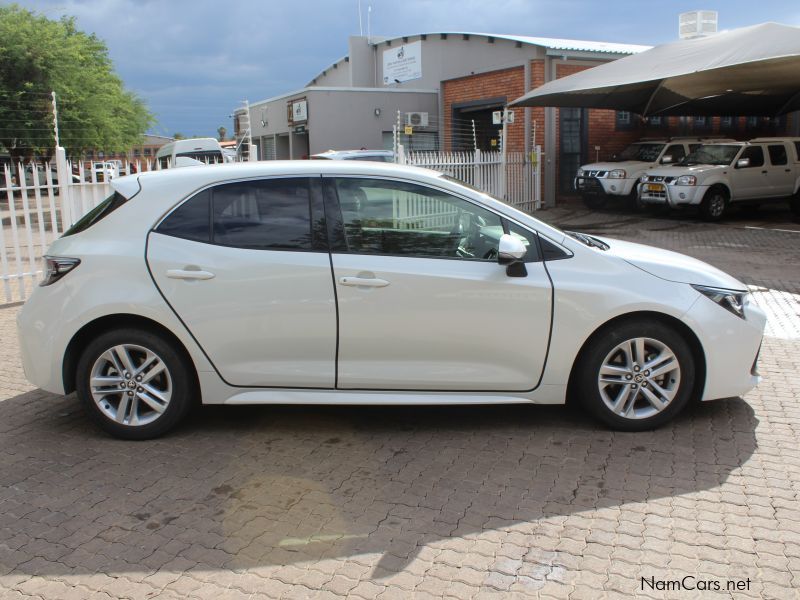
32	181
619	177
203	150
715	176
368	155
263	283
104	170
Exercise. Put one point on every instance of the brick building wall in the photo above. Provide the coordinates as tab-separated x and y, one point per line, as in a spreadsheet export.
508	83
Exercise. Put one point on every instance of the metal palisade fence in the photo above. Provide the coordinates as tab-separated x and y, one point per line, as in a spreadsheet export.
38	202
515	179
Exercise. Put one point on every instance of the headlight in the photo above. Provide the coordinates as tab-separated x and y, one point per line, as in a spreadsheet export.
580	173
56	267
617	174
730	300
686	180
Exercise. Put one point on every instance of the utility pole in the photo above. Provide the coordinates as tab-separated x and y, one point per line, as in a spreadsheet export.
55	119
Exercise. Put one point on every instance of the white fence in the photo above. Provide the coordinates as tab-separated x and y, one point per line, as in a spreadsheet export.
517	181
38	202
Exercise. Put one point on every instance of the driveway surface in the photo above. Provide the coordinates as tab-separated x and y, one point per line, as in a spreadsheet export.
474	502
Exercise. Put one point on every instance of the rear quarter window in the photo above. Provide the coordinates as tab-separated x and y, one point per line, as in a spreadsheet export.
98	213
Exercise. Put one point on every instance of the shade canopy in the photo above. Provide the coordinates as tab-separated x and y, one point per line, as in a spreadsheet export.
748	71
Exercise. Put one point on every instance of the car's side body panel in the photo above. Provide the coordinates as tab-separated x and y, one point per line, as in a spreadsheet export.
441	324
265	318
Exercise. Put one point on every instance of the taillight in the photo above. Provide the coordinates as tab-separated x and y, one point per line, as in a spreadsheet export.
56	267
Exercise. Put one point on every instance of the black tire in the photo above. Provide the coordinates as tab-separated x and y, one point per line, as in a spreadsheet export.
794	205
715	204
180	380
599	349
595	201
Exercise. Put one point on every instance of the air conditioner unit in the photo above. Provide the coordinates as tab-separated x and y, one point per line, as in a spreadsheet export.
417	119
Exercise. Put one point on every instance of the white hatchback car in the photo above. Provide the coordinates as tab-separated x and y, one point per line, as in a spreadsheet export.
338	282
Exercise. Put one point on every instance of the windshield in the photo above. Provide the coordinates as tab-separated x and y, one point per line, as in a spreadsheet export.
712	154
641	152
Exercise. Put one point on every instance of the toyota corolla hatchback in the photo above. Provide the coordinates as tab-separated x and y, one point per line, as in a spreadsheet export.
348	282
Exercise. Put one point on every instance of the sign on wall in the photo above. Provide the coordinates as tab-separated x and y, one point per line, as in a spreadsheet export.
403	63
298	111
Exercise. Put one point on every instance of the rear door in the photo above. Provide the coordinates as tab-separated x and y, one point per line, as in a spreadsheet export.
423	303
781	173
245	266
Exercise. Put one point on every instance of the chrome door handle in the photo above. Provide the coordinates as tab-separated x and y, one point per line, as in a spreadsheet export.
363	281
189	274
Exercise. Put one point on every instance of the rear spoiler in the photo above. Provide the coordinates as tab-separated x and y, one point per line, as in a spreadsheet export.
127	186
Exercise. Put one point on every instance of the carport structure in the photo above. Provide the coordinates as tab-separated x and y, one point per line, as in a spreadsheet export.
749	71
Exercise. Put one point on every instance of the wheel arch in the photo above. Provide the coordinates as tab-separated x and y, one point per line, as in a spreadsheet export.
698	354
719	185
115	321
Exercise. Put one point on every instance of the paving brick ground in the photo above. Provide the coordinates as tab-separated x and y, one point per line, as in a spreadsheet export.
473	502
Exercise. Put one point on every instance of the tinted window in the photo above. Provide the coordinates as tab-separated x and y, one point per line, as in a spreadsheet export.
676	151
755	154
777	154
271	214
190	220
401	219
797	150
550	251
99	212
205	156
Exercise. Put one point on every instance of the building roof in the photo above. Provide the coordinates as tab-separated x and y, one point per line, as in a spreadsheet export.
575	45
556	44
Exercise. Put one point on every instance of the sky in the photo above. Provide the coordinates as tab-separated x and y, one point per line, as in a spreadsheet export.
194	62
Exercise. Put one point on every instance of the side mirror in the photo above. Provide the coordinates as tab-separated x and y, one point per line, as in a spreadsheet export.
510	250
666	159
742	163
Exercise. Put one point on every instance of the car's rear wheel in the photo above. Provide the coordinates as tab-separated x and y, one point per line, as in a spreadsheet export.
794	205
714	204
134	384
636	375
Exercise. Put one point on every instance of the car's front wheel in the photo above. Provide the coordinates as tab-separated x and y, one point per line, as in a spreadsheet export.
134	383
636	375
714	204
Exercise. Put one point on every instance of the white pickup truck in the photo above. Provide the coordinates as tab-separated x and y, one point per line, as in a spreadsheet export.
717	175
619	177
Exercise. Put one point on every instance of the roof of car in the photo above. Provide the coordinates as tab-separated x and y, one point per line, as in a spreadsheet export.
355	153
199	176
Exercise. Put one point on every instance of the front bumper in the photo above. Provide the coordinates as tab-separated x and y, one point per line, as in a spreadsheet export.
602	185
671	195
730	344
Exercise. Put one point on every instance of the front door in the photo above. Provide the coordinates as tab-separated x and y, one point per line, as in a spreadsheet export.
751	181
243	268
423	303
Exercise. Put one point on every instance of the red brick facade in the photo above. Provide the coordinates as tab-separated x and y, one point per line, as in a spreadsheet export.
508	83
602	128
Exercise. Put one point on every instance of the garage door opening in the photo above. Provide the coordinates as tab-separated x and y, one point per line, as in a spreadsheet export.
472	125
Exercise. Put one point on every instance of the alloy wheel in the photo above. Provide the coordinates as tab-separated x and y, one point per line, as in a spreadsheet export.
131	384
639	378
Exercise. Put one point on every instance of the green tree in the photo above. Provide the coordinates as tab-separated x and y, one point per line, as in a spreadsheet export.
95	111
221	133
